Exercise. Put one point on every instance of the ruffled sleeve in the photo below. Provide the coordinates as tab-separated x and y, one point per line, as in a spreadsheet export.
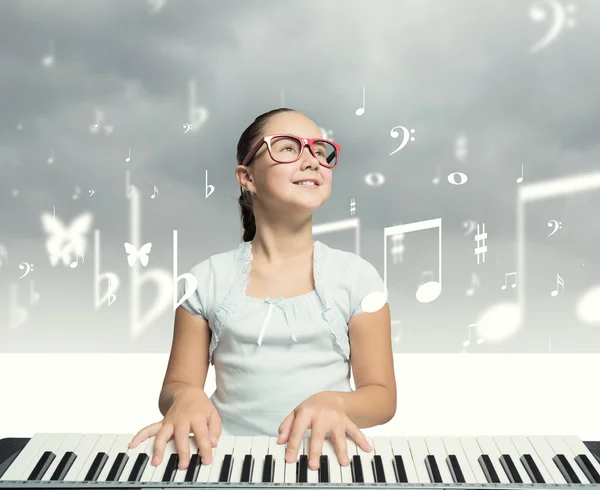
364	280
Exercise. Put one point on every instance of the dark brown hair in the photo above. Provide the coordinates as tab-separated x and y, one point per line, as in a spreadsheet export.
249	138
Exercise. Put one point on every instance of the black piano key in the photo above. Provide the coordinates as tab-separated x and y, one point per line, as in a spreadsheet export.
510	468
64	466
432	468
268	469
117	468
488	469
171	468
302	469
42	466
323	469
378	469
588	468
357	470
94	471
225	474
455	470
399	469
565	468
247	468
139	467
532	469
192	472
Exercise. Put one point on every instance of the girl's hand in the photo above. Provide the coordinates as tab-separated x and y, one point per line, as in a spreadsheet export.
321	413
192	411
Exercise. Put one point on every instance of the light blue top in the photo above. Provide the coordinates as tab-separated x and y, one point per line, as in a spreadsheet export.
272	354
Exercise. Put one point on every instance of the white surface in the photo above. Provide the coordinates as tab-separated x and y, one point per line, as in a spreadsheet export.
438	394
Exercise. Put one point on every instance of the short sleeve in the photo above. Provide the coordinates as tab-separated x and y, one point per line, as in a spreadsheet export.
364	280
195	299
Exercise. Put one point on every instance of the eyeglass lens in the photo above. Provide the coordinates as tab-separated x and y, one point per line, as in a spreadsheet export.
286	149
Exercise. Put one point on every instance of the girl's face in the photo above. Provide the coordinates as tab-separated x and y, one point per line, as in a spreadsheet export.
273	183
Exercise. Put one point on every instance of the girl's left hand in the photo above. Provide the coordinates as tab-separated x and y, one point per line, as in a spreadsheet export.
321	413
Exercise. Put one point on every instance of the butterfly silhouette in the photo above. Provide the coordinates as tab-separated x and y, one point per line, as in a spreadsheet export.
63	242
134	254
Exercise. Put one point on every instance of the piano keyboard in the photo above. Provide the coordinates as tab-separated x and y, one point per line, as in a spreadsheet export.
105	461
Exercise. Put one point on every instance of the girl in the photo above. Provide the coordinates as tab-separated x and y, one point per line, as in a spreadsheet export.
277	316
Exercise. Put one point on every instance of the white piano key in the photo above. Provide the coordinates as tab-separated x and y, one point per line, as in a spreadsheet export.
436	447
133	453
261	446
488	446
83	450
119	446
347	470
224	447
559	446
419	451
523	446
159	471
452	446
472	452
545	454
400	448
290	468
103	445
383	448
505	446
180	474
335	469
366	460
69	443
205	469
243	446
278	452
312	476
578	447
25	457
52	444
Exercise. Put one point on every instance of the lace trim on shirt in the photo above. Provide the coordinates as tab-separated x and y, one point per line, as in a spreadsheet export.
337	325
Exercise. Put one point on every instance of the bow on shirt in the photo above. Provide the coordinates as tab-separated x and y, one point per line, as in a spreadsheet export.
275	302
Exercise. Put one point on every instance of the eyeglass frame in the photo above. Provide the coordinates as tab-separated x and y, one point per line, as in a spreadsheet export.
303	141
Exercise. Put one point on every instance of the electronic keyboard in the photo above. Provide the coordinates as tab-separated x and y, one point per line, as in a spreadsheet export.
79	461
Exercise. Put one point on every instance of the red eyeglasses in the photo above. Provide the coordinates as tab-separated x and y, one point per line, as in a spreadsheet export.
287	148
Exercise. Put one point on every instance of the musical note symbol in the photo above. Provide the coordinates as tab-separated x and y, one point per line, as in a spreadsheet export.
110	276
374	179
212	187
128	159
155	193
75	263
559	282
3	253
397	249
77	192
187	127
51	157
520	179
470	224
360	111
24	265
95	127
562	16
48	60
91	191
457	178
474	282
352	206
467	342
407	137
514	284
129	189
198	115
557	225
111	297
17	315
436	179
34	296
191	281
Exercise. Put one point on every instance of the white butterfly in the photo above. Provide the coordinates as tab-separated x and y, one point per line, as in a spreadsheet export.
63	242
134	254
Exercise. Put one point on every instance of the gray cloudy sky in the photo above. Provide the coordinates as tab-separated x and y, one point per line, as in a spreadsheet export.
441	68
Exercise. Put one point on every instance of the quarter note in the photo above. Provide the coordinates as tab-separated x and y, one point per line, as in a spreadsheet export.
128	159
361	110
559	282
520	179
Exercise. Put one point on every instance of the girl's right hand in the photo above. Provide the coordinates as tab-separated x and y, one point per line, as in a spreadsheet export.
191	411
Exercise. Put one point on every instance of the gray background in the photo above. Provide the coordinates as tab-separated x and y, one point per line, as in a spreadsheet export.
441	68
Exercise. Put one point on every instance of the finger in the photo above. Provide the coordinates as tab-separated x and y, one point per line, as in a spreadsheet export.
285	427
317	436
202	436
338	437
214	428
356	434
160	441
182	444
142	435
300	424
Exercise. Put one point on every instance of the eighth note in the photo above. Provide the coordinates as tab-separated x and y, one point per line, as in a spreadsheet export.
559	282
514	284
155	193
75	263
